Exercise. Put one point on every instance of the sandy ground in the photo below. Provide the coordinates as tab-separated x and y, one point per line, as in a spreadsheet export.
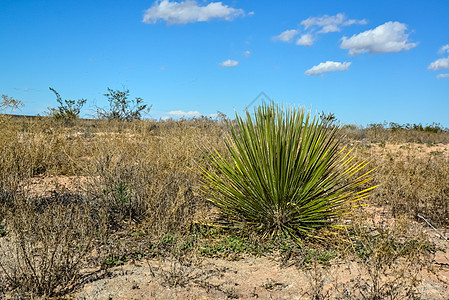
248	278
266	277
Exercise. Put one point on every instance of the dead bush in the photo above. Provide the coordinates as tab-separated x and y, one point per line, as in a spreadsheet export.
44	250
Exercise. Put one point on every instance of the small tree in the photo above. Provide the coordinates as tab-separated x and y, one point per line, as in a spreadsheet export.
67	109
120	108
10	104
329	117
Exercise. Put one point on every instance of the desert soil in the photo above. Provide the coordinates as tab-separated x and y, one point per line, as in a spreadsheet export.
248	278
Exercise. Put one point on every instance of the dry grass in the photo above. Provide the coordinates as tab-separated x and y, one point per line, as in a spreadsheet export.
140	190
412	179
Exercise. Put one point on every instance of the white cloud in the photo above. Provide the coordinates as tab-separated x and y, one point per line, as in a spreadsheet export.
305	40
446	75
328	66
444	49
317	25
330	23
189	12
229	63
286	36
180	113
439	64
247	53
389	37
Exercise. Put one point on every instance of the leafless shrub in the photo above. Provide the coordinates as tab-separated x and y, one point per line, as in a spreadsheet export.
392	258
44	250
11	104
316	275
181	271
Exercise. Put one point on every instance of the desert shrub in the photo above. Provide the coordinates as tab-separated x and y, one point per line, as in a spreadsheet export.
45	248
68	110
392	257
121	108
285	172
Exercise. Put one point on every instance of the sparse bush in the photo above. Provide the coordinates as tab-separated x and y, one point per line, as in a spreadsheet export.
120	108
328	117
68	110
286	173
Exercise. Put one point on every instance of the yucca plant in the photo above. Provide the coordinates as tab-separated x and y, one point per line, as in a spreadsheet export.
286	172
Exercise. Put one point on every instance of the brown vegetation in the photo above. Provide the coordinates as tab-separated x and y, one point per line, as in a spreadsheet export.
79	198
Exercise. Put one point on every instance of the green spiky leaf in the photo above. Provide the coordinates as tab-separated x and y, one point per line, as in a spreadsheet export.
285	172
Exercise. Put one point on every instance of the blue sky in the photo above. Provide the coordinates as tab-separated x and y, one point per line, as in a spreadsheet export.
364	61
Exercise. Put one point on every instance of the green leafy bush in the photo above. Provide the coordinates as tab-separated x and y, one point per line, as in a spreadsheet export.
284	172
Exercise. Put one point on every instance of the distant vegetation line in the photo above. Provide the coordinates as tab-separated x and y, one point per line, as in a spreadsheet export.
392	126
125	109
